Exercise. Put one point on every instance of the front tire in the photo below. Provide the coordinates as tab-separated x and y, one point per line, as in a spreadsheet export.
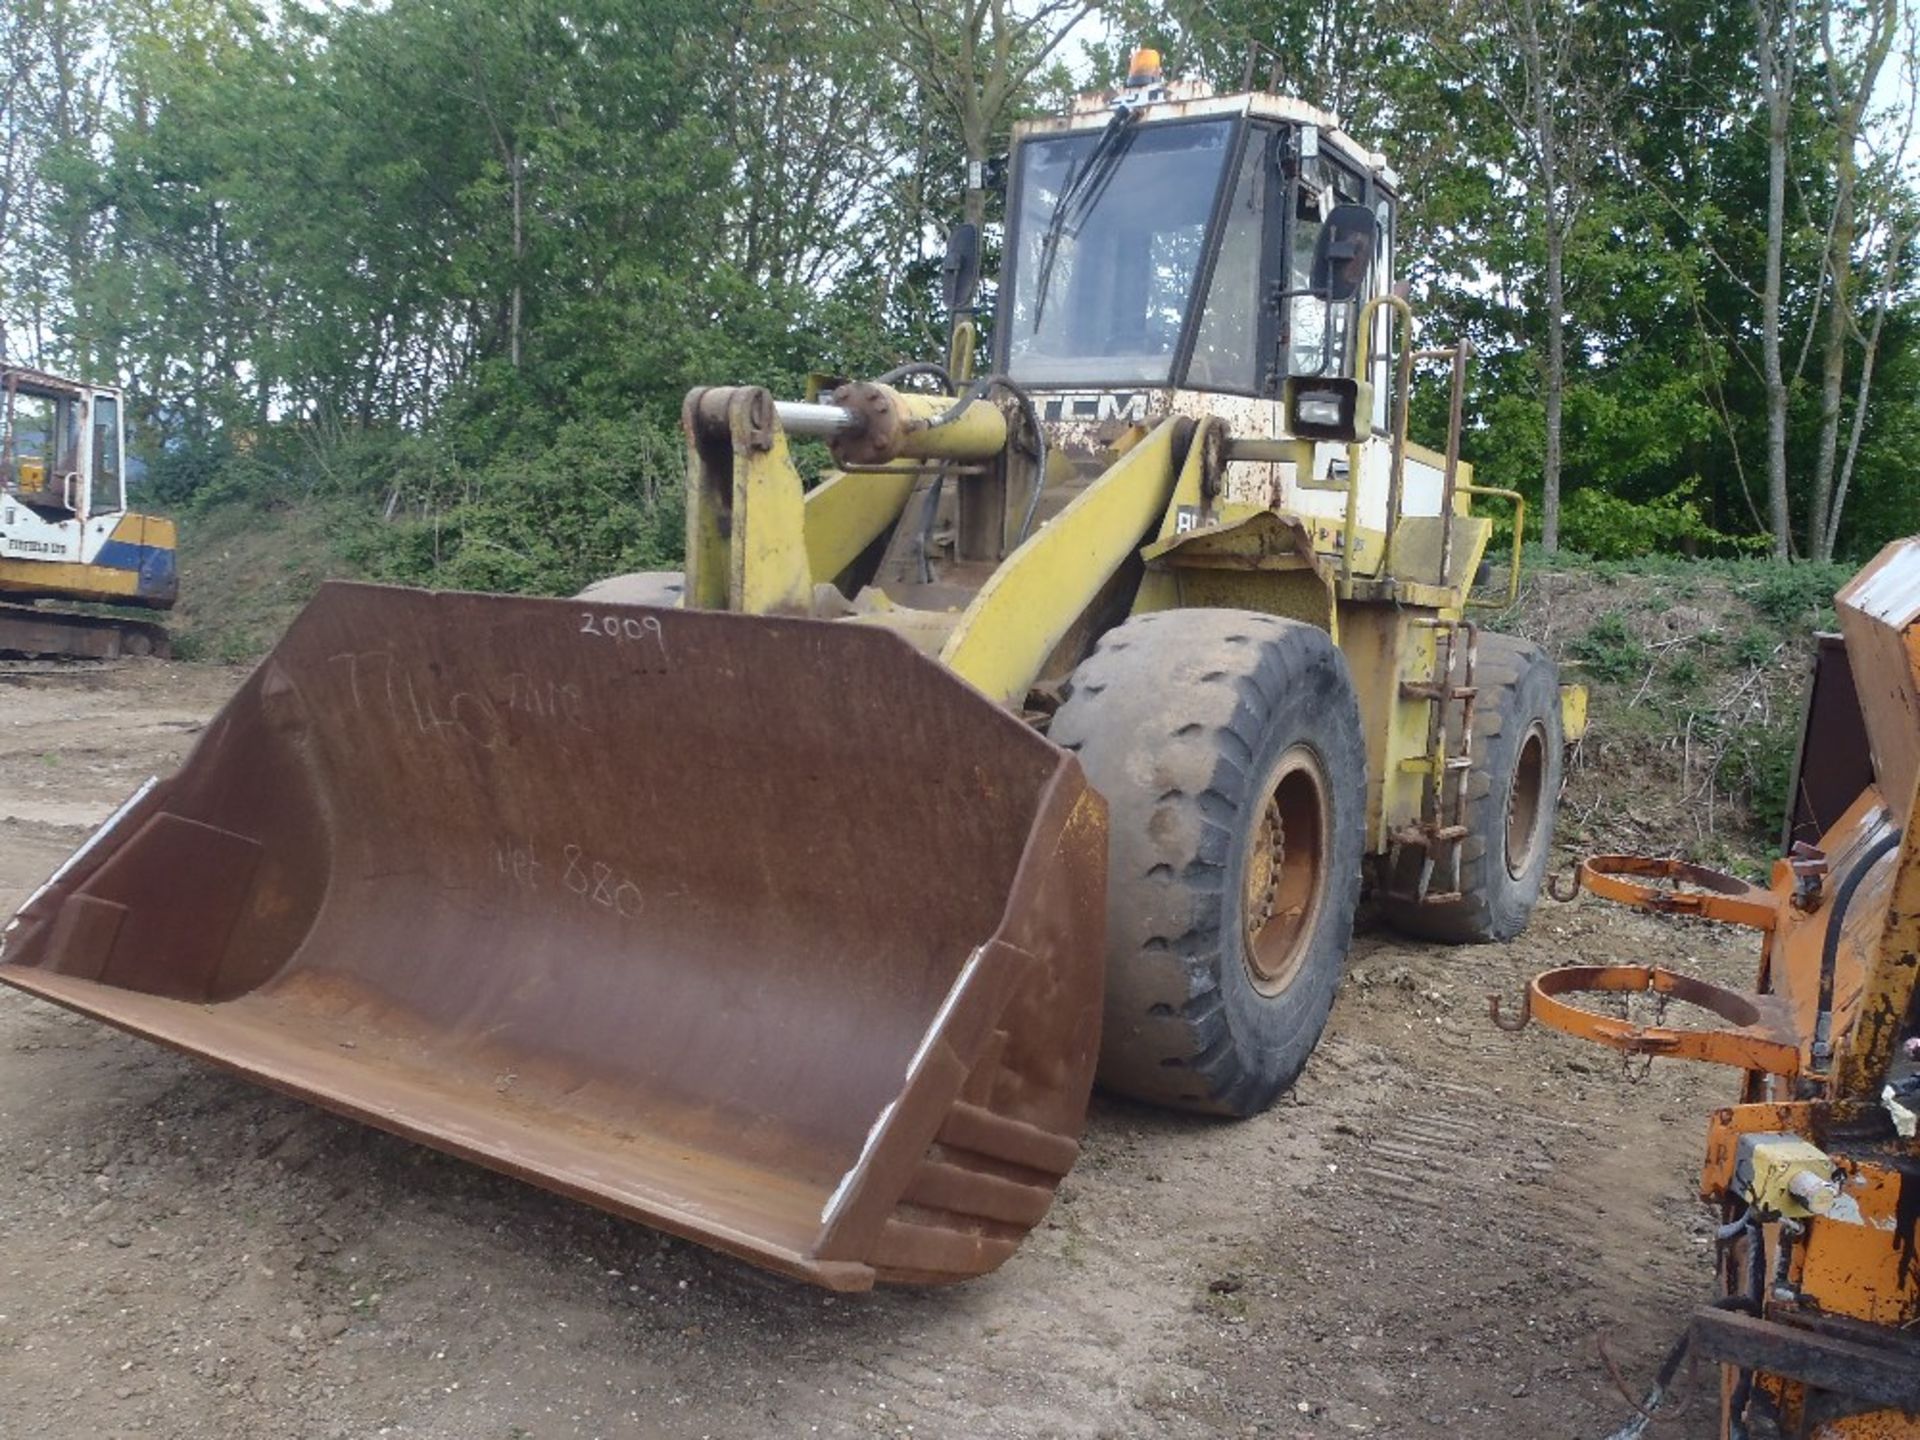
1228	747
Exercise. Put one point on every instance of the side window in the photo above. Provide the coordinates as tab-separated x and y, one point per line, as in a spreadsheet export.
31	442
107	488
1318	341
1226	350
42	442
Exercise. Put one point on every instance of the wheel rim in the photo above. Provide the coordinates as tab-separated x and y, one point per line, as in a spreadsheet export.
1526	801
1286	872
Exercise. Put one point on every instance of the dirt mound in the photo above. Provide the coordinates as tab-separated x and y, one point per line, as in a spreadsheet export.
1698	675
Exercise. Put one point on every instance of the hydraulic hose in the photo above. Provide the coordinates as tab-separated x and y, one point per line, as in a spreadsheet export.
1661	1391
1830	943
977	390
927	517
917	367
1754	1303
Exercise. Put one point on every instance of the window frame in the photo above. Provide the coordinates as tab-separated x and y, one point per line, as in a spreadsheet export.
116	439
1365	191
1266	134
1176	376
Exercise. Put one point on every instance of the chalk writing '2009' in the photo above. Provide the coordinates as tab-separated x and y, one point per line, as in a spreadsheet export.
645	631
620	627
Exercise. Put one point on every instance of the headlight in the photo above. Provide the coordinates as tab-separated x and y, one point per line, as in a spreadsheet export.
1319	409
1327	407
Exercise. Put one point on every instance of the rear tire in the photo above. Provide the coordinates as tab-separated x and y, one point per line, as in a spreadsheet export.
663	588
1513	794
1228	748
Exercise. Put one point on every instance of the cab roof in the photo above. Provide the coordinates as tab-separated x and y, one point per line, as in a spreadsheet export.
21	380
1195	99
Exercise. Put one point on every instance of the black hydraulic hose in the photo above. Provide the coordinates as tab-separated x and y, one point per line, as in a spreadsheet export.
1754	1304
1031	411
1661	1392
1733	1229
917	367
928	516
965	398
1830	944
1756	1269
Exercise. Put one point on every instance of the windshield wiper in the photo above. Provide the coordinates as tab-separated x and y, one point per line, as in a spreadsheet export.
1080	195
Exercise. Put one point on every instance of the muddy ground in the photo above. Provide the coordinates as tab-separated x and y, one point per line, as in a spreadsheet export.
1426	1240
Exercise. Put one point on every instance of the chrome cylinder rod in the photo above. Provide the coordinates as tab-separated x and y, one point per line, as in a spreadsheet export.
798	417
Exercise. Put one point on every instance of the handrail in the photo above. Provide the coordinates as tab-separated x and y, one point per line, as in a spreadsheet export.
960	348
1457	354
1396	478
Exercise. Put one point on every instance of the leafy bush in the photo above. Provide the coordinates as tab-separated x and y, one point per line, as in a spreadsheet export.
1755	647
1800	594
1757	766
607	497
1610	527
1609	650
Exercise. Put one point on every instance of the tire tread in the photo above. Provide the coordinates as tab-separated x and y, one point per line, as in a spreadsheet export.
1203	683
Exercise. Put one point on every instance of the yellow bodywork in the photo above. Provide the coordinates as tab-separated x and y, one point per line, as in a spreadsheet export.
1573	713
1043	588
91	582
760	542
845	514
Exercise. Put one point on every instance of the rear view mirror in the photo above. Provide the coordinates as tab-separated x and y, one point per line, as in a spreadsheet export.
1343	255
960	270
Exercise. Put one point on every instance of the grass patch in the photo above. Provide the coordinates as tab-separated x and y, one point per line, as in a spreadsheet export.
1610	651
1795	595
1696	671
246	571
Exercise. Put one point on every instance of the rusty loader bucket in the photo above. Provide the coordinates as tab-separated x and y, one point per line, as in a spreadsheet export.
769	933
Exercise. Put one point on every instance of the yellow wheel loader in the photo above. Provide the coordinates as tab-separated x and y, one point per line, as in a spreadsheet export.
66	533
792	902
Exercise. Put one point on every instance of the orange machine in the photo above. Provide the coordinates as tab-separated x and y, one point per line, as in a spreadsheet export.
1816	1169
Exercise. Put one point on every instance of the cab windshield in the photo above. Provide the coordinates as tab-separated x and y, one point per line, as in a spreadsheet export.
1103	297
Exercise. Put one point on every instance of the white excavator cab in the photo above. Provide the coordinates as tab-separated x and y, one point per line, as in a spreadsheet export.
62	445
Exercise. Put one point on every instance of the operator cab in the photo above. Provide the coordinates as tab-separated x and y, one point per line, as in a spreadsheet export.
1167	237
61	445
